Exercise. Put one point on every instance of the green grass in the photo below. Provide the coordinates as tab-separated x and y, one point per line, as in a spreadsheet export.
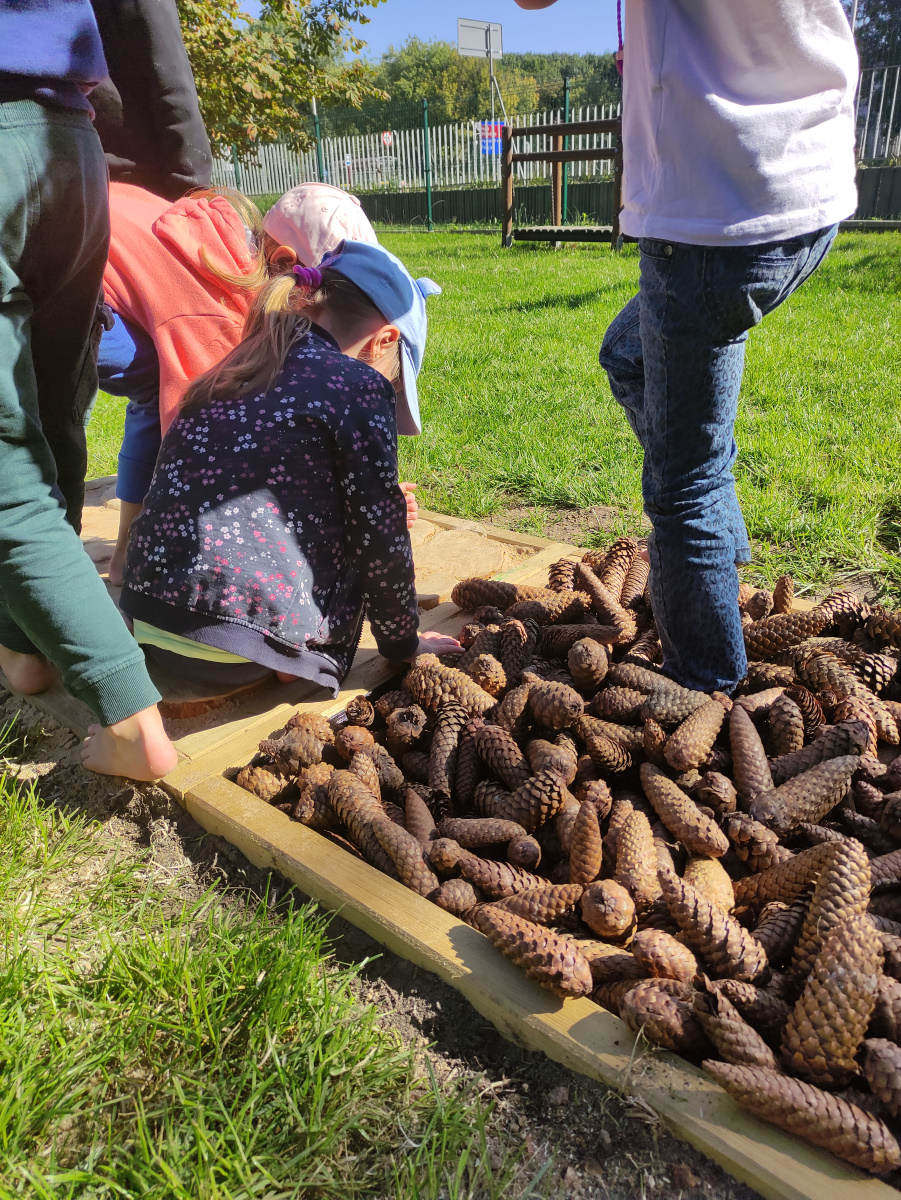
200	1051
518	411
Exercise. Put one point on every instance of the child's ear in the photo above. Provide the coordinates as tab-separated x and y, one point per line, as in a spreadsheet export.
282	259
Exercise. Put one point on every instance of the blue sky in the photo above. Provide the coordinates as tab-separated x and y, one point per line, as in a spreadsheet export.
570	25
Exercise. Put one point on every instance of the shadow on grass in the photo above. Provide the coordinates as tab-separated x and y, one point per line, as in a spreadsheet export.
848	270
564	300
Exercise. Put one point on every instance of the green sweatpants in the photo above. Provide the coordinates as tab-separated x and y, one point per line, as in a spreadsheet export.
54	234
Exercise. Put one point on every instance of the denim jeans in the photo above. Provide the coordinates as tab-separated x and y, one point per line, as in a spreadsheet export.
128	365
674	357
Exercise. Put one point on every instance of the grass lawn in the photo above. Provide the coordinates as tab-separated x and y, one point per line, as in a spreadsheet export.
518	414
202	1050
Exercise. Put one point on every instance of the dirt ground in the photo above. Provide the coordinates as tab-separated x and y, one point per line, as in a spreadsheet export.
602	1145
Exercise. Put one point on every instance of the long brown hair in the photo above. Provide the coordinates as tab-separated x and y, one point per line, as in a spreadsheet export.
281	312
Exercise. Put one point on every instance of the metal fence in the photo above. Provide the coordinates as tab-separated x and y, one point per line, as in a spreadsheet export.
879	115
466	154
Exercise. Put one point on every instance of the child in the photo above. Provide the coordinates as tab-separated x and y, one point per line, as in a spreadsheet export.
275	520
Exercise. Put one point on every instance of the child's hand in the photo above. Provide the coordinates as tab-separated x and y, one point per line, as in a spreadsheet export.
437	643
412	507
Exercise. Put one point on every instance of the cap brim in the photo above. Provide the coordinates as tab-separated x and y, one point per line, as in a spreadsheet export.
408	419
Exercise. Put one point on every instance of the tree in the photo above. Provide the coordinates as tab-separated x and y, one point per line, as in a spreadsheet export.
255	78
878	31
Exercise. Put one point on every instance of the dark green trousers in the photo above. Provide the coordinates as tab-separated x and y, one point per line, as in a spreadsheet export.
54	235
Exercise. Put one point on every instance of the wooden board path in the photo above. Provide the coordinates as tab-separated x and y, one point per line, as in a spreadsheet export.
576	1033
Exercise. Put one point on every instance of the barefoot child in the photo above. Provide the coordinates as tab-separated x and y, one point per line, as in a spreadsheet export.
275	520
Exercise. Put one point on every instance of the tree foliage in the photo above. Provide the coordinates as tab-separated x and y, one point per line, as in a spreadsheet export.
878	31
255	78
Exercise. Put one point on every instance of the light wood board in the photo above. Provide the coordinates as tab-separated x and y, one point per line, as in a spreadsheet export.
576	1033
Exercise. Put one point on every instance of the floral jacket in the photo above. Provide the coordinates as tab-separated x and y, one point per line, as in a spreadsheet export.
275	521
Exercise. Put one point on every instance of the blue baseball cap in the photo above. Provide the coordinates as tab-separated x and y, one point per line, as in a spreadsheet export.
401	300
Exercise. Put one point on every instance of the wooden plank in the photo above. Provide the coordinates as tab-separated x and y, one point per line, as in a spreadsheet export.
571	128
576	1033
495	532
564	233
57	703
563	156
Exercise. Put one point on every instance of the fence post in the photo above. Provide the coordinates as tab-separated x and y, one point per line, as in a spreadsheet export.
320	163
507	188
427	162
237	165
564	200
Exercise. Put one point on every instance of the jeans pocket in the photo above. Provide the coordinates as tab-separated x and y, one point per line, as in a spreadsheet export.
654	248
86	389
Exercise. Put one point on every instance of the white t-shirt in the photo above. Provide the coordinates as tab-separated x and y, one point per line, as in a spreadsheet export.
738	119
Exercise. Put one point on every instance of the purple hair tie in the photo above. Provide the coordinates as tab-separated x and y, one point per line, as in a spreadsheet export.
308	277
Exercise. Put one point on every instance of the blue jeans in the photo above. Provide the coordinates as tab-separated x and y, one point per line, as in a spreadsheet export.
128	365
674	357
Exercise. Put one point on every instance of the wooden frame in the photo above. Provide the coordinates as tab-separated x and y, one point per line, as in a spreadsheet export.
556	157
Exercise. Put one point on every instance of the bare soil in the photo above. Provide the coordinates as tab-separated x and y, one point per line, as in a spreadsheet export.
578	526
594	1143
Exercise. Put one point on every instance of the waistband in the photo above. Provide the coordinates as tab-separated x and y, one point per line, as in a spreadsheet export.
31	112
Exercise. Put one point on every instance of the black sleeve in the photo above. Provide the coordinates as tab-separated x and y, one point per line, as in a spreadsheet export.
147	114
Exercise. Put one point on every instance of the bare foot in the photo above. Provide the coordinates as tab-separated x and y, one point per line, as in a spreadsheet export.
137	747
27	673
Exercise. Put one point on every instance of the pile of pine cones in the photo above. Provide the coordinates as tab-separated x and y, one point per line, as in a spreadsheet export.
725	874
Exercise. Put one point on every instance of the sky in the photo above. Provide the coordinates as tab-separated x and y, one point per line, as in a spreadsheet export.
576	26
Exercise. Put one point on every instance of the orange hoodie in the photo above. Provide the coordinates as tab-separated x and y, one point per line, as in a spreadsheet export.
157	278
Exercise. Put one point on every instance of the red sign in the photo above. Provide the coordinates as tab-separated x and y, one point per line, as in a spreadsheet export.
387	138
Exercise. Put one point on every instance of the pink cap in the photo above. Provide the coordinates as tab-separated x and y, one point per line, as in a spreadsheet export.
315	218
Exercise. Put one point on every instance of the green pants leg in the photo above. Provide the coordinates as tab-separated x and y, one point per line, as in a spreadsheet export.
54	232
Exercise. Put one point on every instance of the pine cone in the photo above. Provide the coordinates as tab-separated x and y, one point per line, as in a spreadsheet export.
487	672
886	1022
366	771
617	564
716	791
517	648
473	833
810	1113
265	784
489	797
470	594
391	777
707	876
662	956
764	675
854	709
512	713
524	852
635	583
885	627
314	809
783	594
500	753
751	771
606	606
534	801
350	739
759	604
827	1025
608	756
735	1040
786	726
607	909
444	854
807	797
418	817
562	575
619	704
644	650
754	843
727	949
778	929
468	766
359	811
636	860
586	849
547	756
386	704
557	640
486	641
545	607
555	705
876	671
882	1069
664	1019
611	994
296	749
692	741
824	672
681	815
408	856
670	705
886	870
765	638
587	662
404	728
834	741
784	881
811	709
495	879
314	723
760	1007
431	683
841	893
542	905
457	896
552	960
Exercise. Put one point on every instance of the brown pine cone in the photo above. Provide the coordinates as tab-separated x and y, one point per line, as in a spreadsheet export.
735	1040
886	1020
824	672
619	704
779	927
431	683
557	640
314	723
606	606
555	705
587	661
670	705
550	959
610	994
366	771
468	766
489	797
786	726
807	797
561	575
629	737
512	713
533	802
716	791
760	1007
386	704
635	583
729	951
764	639
885	870
882	1070
473	833
751	770
762	676
314	808
586	848
707	876
644	650
785	881
391	777
266	784
854	709
689	744
841	892
500	753
754	843
662	956
607	909
665	1019
517	648
547	756
404	728
759	604
486	641
487	672
608	756
827	1025
885	627
415	765
877	671
636	860
833	741
359	811
549	608
542	905
758	704
617	563
783	594
295	749
811	709
418	817
350	739
408	856
810	1113
681	815
891	948
524	852
457	896
444	854
471	594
